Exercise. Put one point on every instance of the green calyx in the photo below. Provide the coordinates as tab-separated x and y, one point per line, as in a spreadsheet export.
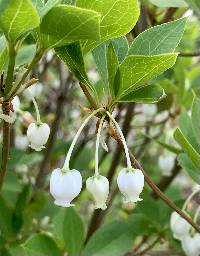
130	169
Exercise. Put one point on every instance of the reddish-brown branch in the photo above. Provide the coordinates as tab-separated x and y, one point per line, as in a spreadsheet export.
5	146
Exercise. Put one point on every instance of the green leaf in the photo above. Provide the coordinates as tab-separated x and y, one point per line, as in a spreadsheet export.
19	17
48	6
147	94
120	45
73	223
3	5
70	228
65	24
187	129
156	221
189	167
100	58
72	56
169	147
41	245
17	251
25	54
113	239
135	71
169	3
139	224
100	55
112	66
159	39
3	54
118	17
21	203
196	118
5	219
187	147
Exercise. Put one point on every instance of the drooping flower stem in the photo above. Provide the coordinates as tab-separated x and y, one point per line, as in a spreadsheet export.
129	166
37	110
67	159
97	146
196	214
196	191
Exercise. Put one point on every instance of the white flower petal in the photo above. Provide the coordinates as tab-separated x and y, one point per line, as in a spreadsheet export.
98	186
38	135
179	226
191	245
131	184
64	187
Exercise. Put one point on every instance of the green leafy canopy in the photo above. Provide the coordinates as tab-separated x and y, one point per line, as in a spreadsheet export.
136	70
18	17
65	24
118	17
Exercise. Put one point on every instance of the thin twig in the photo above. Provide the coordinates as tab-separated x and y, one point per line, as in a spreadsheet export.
148	248
5	147
189	54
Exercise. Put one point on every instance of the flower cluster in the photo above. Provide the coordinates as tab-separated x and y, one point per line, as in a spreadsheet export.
66	184
184	232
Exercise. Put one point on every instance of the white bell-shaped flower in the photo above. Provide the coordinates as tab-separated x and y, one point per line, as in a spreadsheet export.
65	186
38	135
98	186
131	183
179	226
166	164
191	245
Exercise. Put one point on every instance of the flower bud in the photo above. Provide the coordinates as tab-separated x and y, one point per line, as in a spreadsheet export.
98	186
179	226
131	183
64	187
191	245
38	135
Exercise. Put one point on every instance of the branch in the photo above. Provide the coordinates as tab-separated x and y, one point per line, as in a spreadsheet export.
148	248
6	106
167	180
88	96
189	54
169	15
11	67
160	194
5	147
35	60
